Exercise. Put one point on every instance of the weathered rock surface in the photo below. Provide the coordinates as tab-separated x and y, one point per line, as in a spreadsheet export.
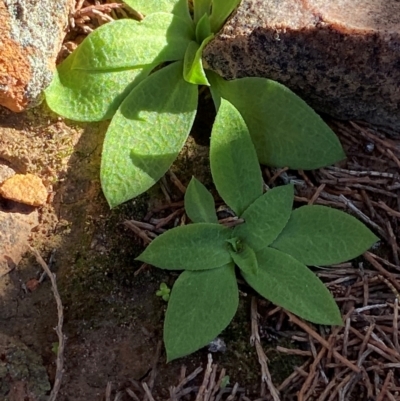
16	224
23	376
31	34
341	56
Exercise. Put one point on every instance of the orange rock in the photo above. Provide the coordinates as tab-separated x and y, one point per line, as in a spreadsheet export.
24	188
30	39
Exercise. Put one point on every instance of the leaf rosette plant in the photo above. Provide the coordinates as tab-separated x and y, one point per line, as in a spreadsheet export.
144	76
271	249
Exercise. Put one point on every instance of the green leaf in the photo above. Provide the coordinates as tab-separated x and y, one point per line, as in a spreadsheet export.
319	235
193	71
199	203
147	133
285	131
199	246
201	7
221	10
201	305
125	43
87	96
290	284
245	258
203	28
234	166
176	7
266	217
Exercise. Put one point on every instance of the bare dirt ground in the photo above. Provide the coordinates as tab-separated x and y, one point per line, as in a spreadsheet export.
112	318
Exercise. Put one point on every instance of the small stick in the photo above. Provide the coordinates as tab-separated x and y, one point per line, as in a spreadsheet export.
277	174
132	394
385	386
175	180
139	232
154	367
393	243
362	216
325	343
147	391
316	194
108	391
262	359
206	378
396	324
382	270
60	335
311	375
290	351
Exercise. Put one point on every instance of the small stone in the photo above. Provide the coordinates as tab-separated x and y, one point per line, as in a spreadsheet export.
341	56
24	188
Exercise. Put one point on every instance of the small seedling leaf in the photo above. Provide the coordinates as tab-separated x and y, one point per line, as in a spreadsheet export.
147	133
176	7
234	166
266	217
193	71
199	203
86	96
201	7
245	258
199	246
288	283
126	43
203	29
285	131
221	10
319	235
201	305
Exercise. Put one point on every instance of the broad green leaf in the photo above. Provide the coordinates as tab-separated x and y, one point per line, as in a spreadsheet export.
266	217
199	246
319	235
285	131
193	71
201	305
199	203
201	7
234	166
176	7
290	284
90	96
203	28
221	10
127	43
147	133
245	258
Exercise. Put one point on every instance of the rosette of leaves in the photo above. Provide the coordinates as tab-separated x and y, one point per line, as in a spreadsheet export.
271	249
144	76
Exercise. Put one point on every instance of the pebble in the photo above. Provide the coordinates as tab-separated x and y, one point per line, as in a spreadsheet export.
24	188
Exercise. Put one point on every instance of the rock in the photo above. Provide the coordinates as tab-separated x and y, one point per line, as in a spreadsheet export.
24	188
23	376
16	225
341	56
5	172
31	34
